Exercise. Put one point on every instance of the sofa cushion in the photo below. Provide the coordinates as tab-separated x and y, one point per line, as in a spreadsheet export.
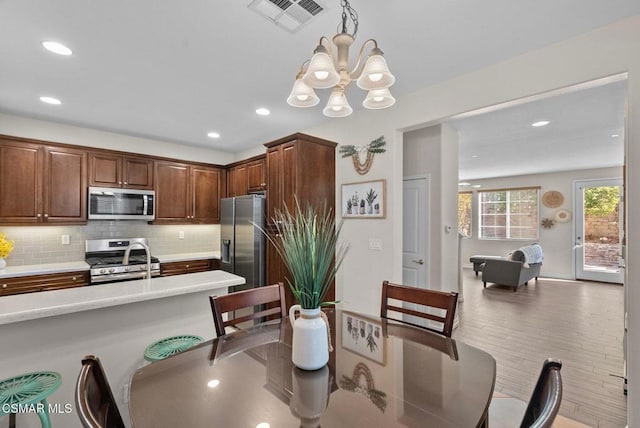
517	256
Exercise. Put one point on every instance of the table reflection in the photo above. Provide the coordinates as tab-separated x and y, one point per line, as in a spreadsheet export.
401	376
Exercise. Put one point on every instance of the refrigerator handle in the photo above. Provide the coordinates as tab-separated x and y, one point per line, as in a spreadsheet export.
226	246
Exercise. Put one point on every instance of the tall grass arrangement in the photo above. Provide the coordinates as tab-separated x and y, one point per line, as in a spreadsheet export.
307	240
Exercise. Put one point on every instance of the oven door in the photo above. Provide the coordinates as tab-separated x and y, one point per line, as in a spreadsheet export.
120	204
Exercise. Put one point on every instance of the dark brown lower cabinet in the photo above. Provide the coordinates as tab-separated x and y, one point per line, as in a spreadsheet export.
52	281
188	266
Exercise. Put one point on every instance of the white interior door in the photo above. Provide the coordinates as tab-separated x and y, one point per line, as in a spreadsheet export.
598	221
414	232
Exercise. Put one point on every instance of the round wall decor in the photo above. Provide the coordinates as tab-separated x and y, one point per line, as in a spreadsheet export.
552	199
562	216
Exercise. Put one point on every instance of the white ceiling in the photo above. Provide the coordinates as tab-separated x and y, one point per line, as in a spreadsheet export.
174	70
580	135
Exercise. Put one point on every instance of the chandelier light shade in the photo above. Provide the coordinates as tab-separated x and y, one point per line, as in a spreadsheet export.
325	70
376	74
378	99
321	73
337	106
302	95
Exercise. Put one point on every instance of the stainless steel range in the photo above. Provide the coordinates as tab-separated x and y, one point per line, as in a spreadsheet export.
120	259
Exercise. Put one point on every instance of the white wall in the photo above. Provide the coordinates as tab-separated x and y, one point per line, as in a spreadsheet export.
430	151
557	242
59	133
603	52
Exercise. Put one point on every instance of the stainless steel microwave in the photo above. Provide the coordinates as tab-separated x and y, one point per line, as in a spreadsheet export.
107	203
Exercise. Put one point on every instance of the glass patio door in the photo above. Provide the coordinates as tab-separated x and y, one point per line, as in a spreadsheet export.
598	221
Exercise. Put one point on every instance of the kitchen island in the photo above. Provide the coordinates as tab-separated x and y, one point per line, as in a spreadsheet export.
53	330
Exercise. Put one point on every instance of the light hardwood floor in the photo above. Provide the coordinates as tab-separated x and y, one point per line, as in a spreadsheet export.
580	323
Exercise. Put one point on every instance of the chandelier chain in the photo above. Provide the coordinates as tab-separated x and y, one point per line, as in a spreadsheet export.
353	16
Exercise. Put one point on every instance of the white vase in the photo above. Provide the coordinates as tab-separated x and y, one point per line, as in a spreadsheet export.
310	342
310	395
3	263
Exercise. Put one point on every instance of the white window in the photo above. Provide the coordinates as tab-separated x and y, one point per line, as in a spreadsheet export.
509	213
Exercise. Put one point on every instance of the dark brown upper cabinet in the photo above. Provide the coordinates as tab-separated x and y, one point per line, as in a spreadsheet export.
41	184
112	170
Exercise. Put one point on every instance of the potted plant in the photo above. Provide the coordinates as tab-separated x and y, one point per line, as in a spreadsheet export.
307	241
371	196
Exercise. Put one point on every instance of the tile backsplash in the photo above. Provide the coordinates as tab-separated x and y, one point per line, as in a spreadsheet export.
43	244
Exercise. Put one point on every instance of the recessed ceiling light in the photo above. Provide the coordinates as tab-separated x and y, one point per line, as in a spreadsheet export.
263	425
540	123
476	186
615	135
474	156
50	100
57	48
263	111
213	383
213	134
464	184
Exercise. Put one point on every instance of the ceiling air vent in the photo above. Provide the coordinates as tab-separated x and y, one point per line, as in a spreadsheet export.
288	14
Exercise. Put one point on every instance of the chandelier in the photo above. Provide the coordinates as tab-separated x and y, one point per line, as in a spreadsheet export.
324	70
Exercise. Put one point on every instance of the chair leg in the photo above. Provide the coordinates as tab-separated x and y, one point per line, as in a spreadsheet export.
12	420
44	415
485	284
526	283
515	288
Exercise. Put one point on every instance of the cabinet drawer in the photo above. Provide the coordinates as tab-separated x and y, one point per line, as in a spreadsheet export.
189	266
53	281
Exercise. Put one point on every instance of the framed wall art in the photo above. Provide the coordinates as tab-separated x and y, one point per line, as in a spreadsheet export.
363	336
364	200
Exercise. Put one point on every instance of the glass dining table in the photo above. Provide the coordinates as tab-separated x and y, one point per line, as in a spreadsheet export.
380	374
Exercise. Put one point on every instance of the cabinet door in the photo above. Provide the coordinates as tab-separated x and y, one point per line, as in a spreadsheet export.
172	192
65	186
137	173
20	182
237	181
105	170
289	174
206	188
231	180
274	181
255	175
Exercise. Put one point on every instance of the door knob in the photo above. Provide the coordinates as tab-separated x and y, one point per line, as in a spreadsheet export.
419	261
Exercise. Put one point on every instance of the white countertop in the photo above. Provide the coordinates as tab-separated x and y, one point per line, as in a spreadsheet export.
30	306
26	270
203	255
45	268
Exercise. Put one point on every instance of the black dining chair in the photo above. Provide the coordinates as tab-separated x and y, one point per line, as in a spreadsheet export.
94	400
248	299
541	410
547	395
446	301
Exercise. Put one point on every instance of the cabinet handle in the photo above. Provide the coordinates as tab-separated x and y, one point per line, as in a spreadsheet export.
46	216
125	183
73	279
119	182
187	265
38	215
4	285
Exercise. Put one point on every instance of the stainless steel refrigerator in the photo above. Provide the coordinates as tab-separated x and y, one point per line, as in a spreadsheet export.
242	245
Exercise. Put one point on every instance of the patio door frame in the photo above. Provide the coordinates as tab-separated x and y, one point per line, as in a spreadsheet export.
579	271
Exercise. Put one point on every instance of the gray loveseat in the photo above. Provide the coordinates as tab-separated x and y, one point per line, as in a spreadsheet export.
520	267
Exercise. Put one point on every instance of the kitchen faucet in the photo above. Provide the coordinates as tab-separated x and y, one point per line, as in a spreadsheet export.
125	259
